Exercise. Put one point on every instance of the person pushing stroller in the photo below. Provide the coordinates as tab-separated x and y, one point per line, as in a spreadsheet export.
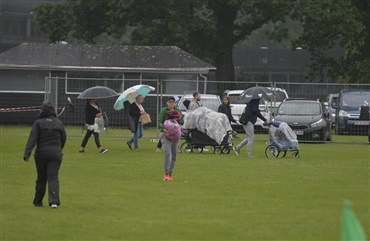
252	112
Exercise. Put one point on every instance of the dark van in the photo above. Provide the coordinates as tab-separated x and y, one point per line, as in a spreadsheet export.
352	113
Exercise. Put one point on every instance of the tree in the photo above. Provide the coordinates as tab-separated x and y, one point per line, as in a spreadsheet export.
336	24
208	29
53	20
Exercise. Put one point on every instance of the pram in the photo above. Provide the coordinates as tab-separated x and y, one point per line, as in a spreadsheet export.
196	141
282	140
205	127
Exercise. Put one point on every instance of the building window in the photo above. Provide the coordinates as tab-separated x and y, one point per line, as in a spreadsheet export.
22	81
15	27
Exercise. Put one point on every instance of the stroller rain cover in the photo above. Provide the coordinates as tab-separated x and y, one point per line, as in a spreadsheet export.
214	124
283	136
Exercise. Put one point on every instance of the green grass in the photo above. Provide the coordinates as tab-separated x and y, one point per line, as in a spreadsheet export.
121	196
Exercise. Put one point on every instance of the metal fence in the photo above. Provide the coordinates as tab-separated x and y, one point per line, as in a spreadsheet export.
57	90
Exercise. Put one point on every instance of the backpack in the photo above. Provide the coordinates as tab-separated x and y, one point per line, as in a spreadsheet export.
186	103
174	128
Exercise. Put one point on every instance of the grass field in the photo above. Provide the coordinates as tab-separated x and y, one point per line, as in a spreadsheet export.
121	196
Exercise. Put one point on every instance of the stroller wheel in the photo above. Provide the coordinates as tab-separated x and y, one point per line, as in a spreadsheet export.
272	151
185	148
225	150
283	154
295	154
217	150
197	149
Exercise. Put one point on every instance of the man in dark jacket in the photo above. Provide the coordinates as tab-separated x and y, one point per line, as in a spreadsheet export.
252	111
49	136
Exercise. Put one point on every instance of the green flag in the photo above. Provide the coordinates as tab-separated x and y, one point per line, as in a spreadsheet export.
351	227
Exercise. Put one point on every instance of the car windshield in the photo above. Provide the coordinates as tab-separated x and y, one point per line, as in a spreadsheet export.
299	108
234	99
356	99
209	103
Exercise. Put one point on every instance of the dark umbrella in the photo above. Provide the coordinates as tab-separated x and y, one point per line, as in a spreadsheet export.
97	92
256	92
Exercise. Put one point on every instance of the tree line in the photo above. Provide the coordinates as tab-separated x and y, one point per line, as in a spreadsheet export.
210	29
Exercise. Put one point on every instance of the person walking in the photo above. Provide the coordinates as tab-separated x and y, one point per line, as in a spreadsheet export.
169	146
226	109
93	111
49	137
136	109
194	103
159	144
252	111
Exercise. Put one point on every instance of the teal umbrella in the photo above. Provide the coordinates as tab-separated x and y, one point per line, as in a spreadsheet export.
130	94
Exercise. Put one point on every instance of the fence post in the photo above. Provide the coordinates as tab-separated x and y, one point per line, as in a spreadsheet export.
51	91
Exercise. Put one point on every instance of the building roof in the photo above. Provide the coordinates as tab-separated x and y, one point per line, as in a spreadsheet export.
275	58
102	58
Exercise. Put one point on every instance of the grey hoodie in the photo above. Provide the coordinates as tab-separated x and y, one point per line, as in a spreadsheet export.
47	132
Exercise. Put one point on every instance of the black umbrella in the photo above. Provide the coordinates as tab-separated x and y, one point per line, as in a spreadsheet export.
97	92
256	93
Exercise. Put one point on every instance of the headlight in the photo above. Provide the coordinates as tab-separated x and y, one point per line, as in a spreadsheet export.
317	123
343	113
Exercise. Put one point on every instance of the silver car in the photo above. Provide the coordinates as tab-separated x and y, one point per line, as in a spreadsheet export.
210	101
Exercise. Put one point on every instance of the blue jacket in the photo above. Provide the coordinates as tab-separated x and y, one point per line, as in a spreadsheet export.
252	111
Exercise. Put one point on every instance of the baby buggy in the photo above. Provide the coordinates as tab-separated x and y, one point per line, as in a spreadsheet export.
282	140
205	127
197	141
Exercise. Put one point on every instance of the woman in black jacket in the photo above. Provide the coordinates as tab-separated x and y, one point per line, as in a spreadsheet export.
226	109
136	109
92	111
49	137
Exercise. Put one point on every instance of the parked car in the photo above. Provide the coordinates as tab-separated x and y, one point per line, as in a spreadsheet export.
309	119
331	105
238	105
348	119
278	98
210	101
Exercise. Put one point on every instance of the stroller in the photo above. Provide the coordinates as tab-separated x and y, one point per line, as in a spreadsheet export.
196	141
282	140
205	127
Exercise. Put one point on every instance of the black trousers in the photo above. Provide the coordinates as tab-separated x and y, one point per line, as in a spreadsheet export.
159	145
87	136
47	164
